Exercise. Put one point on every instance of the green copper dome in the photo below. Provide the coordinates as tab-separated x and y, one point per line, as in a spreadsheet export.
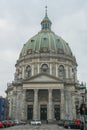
46	41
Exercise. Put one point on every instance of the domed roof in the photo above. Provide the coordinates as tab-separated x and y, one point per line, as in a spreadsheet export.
46	41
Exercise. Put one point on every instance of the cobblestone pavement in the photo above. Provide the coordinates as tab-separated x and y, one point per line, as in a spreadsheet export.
34	127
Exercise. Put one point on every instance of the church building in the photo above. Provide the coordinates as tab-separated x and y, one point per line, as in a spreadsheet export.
45	78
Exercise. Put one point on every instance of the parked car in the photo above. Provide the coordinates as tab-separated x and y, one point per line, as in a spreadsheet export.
19	122
1	125
61	122
6	123
68	123
16	122
72	125
35	122
77	123
23	123
12	122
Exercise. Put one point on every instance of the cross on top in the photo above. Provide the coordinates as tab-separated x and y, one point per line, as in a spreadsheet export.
46	10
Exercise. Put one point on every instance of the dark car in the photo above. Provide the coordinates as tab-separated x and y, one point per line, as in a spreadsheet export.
69	124
72	125
61	122
12	122
6	123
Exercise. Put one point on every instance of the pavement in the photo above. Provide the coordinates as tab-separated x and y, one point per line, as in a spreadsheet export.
36	127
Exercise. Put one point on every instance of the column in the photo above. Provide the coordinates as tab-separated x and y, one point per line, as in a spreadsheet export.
69	104
23	72
13	108
24	105
50	108
10	107
73	108
35	108
62	107
32	70
14	105
67	72
70	72
56	71
38	68
50	68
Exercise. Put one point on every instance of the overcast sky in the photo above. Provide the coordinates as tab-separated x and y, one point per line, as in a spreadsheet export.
20	20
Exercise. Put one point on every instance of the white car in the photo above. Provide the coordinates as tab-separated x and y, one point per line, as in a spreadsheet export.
35	122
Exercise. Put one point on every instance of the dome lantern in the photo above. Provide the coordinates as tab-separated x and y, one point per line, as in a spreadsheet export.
46	23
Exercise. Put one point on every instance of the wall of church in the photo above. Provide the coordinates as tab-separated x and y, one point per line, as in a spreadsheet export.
61	69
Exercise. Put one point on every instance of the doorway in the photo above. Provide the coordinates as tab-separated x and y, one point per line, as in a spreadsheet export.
57	112
43	112
29	112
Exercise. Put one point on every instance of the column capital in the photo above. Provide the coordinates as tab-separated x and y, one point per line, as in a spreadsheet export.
61	90
36	90
50	90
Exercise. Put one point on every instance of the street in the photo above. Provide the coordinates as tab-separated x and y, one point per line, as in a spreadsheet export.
34	127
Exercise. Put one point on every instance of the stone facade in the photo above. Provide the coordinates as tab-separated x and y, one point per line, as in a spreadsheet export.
45	79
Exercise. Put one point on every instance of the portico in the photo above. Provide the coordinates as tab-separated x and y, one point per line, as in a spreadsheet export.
44	103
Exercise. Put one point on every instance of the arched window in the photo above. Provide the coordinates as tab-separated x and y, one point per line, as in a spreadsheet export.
44	68
61	71
28	71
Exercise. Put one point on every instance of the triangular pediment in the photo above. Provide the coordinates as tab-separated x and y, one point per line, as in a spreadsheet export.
43	78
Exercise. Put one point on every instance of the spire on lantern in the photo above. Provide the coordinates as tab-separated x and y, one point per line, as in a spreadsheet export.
46	23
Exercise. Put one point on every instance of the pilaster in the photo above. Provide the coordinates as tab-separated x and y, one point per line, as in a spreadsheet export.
50	68
50	109
73	108
32	70
38	68
24	105
35	108
62	104
23	74
56	71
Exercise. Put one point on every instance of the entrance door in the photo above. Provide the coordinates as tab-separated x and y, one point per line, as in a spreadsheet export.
57	112
43	112
29	112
